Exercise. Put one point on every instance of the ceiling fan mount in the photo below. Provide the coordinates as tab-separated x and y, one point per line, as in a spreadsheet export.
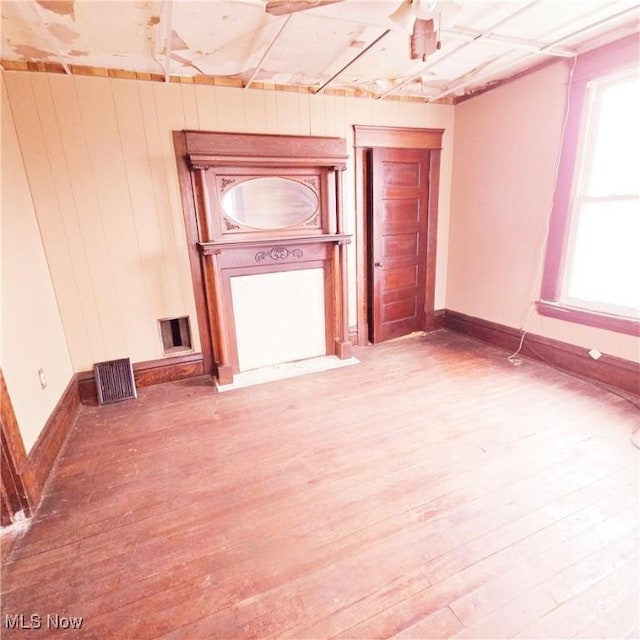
415	17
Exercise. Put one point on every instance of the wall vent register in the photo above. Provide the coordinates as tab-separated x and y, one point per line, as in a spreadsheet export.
114	381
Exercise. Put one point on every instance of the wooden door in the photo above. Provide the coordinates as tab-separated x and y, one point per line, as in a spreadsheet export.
398	242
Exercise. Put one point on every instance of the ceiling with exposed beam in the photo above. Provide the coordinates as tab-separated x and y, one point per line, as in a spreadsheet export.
426	49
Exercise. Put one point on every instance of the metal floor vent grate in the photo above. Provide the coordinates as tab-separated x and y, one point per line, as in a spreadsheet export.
114	381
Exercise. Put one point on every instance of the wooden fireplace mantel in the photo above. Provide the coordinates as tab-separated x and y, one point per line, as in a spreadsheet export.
207	248
221	249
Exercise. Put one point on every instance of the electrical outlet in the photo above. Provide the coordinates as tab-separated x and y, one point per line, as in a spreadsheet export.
43	379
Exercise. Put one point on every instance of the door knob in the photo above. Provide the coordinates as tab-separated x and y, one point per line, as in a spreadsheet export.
377	264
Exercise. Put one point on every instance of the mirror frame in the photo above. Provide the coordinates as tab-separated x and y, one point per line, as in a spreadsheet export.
307	192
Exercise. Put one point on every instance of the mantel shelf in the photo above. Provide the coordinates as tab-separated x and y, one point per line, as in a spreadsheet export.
208	248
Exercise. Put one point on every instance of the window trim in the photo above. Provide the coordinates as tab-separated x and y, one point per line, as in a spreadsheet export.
601	62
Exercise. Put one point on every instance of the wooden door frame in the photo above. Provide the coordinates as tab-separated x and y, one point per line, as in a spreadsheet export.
365	139
17	487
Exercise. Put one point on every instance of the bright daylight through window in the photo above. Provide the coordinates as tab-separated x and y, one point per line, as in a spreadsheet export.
592	267
602	269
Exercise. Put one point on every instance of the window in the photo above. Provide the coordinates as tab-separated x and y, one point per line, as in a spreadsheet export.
592	269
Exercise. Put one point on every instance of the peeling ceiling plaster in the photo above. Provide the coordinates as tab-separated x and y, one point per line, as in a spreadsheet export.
480	43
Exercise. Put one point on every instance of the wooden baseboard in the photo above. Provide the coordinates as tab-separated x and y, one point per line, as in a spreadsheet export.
353	335
607	370
147	374
438	319
46	449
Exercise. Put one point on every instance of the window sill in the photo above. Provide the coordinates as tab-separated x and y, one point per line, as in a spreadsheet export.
620	324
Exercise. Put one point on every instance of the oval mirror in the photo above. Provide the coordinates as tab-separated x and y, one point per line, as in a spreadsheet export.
270	203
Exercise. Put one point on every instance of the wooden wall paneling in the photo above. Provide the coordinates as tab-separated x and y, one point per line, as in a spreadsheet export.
189	106
128	324
42	190
171	117
99	288
144	199
87	257
59	227
318	115
304	111
342	123
167	260
364	110
108	221
254	105
271	112
288	109
383	113
207	103
231	115
331	118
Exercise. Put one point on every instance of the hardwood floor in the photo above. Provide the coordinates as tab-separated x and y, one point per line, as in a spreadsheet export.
432	491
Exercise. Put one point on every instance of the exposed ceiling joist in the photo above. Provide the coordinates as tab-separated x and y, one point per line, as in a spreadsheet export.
482	36
518	43
351	45
506	67
260	64
352	61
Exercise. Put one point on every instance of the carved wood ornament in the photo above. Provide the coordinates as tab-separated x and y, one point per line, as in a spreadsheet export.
234	229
